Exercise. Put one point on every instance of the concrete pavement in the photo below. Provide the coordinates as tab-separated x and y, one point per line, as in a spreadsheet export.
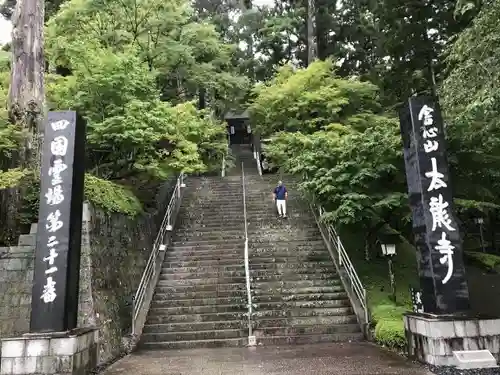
317	359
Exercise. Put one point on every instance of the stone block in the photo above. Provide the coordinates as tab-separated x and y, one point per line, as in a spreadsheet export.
27	240
489	327
34	228
63	346
433	339
471	359
37	348
6	366
16	264
64	363
50	354
12	348
24	365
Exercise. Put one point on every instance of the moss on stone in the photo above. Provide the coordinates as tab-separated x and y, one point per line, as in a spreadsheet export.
106	195
111	197
488	262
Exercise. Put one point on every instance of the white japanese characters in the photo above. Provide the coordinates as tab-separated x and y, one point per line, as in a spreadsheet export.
438	207
417	302
54	197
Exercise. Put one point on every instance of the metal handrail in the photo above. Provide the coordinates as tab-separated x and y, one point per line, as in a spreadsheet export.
259	167
151	269
247	267
344	262
223	170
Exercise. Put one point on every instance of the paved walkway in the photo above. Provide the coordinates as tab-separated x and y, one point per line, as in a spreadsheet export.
317	359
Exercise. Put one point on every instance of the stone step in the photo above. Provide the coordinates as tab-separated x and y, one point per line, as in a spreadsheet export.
308	339
192	310
195	326
296	330
212	343
291	264
235	225
266	277
266	286
269	258
207	288
305	273
309	255
213	243
203	275
213	250
290	290
205	281
303	312
264	322
206	245
230	262
211	230
256	298
194	295
194	335
197	237
207	317
279	305
238	299
234	256
259	243
205	268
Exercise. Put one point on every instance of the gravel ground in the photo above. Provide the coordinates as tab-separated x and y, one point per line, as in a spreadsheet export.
444	370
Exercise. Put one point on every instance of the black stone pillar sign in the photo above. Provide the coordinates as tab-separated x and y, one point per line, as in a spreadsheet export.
438	241
54	306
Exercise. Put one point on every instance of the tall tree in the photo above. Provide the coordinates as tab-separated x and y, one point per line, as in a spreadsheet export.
311	48
26	92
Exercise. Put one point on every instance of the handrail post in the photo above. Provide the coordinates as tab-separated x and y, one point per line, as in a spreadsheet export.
251	337
223	171
339	250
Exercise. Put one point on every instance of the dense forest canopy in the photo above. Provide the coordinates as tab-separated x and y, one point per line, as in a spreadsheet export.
322	79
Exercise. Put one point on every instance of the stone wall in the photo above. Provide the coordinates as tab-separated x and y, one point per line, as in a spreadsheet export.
115	249
16	275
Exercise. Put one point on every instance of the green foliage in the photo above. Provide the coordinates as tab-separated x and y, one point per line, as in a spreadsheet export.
13	177
111	197
489	262
387	315
390	332
331	131
311	99
156	138
10	137
104	194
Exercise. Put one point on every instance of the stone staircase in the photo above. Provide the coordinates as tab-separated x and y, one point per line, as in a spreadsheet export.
297	295
200	299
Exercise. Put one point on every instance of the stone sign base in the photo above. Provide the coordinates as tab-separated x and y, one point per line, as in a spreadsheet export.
432	339
74	352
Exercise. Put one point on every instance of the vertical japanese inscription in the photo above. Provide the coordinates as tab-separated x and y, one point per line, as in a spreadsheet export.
438	240
55	284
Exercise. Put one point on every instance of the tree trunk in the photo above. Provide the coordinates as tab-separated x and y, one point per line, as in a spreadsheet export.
311	50
322	21
201	98
26	92
246	5
25	102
